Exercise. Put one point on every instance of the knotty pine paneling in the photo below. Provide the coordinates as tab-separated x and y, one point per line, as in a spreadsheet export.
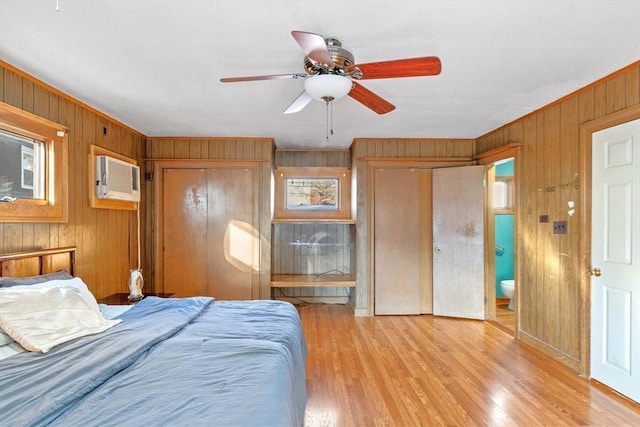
105	239
217	149
364	150
551	267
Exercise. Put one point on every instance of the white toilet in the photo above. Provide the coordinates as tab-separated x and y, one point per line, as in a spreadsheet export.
507	289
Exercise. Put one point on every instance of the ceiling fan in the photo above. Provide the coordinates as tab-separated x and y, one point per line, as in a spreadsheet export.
331	73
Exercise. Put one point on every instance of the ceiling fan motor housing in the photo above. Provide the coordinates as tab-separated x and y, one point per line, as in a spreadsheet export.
342	59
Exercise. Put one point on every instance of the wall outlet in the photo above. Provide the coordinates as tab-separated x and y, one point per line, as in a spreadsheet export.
544	218
559	227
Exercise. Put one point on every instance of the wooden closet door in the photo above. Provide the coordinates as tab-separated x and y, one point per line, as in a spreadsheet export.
185	211
402	244
210	246
232	247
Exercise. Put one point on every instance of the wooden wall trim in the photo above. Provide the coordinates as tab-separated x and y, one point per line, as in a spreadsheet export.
313	150
499	153
431	161
192	161
210	138
411	140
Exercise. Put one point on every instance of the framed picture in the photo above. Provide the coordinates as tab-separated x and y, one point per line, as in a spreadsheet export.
321	193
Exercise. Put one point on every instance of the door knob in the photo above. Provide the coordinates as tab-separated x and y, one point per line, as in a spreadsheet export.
436	250
596	272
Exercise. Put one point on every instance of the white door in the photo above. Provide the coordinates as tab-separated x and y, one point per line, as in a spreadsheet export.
615	251
458	242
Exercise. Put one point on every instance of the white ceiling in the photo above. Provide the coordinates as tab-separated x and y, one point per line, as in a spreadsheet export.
155	65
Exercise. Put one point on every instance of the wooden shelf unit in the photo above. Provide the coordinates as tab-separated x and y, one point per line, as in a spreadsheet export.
310	280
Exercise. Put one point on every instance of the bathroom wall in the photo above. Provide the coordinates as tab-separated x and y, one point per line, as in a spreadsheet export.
504	235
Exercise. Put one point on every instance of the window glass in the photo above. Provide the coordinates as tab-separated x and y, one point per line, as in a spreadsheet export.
21	167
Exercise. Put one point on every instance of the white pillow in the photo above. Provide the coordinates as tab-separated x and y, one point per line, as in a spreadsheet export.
76	282
39	319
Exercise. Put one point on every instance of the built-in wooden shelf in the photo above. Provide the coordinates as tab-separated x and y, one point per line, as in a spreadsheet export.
310	280
314	221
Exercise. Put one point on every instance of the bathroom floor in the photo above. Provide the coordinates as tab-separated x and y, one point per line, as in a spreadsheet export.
504	316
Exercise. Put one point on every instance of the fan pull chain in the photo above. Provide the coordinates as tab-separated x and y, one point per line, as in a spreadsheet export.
327	127
329	118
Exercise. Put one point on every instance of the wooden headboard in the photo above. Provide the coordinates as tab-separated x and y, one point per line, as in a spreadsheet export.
33	263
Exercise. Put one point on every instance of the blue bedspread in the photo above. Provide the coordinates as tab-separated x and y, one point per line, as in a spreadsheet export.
187	361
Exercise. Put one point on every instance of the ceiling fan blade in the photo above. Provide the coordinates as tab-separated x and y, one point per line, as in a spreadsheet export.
270	77
299	103
409	67
370	99
313	46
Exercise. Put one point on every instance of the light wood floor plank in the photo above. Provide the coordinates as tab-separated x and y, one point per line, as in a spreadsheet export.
431	371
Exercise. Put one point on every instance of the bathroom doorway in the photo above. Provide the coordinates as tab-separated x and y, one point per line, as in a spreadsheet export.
503	213
501	235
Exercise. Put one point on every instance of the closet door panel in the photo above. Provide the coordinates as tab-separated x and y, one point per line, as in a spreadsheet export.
397	241
184	205
232	247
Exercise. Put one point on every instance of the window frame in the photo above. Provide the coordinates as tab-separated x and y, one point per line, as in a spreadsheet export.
507	180
54	206
341	174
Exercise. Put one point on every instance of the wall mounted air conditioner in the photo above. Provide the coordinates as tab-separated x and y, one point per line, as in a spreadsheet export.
117	180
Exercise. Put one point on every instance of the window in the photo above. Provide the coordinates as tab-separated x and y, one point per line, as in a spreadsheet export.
33	168
503	194
21	167
320	193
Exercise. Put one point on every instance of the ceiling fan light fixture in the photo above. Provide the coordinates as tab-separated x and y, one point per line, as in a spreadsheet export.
327	87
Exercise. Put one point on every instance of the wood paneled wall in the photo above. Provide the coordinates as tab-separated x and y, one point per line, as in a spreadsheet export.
105	238
551	267
365	150
331	246
218	149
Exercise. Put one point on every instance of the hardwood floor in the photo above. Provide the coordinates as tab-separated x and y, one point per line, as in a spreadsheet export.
425	370
505	317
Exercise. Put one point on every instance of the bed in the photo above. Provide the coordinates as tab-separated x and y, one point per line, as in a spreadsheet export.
162	361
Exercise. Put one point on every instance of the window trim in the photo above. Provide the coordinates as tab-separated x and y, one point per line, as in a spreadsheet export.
54	206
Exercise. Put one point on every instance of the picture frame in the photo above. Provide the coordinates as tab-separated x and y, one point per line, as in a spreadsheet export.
312	193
